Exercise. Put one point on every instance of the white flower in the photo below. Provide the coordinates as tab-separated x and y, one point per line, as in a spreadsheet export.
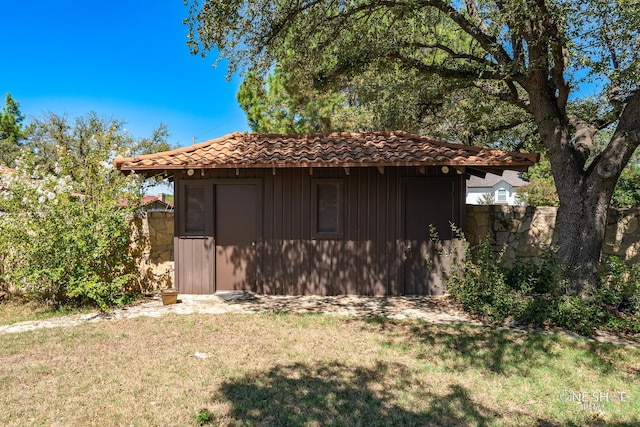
106	164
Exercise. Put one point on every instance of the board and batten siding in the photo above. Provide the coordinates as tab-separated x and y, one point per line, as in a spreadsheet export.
368	256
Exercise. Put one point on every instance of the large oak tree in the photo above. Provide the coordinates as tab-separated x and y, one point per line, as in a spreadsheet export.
571	66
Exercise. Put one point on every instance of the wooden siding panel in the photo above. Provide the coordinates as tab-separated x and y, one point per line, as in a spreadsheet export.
268	265
290	259
297	261
278	259
195	266
351	233
372	231
380	284
367	260
363	250
393	206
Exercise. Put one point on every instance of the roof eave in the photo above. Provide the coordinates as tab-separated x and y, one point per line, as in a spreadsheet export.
519	166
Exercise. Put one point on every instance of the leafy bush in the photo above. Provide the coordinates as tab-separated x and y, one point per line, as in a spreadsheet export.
479	282
65	214
537	277
576	313
64	246
627	191
541	190
619	294
532	293
620	286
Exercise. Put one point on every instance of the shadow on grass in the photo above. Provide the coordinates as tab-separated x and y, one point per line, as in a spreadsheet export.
389	393
508	352
341	395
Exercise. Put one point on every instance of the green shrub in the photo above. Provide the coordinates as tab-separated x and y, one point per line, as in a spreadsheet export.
62	244
620	285
535	311
65	217
576	313
538	276
619	295
479	282
532	293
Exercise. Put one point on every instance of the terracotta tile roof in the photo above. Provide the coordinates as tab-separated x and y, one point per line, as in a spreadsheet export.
147	200
240	150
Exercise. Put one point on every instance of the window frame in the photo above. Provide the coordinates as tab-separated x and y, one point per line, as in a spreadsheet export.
205	184
339	232
506	195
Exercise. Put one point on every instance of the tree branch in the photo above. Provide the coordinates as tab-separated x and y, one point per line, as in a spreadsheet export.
443	71
517	41
279	25
625	139
550	32
488	42
511	97
614	91
452	54
583	139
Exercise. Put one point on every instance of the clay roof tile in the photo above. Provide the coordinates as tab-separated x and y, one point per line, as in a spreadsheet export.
238	150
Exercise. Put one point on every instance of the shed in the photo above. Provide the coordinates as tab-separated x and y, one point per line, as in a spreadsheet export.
324	214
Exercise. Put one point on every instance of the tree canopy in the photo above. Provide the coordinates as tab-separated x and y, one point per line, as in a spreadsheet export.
62	145
65	228
570	67
278	104
13	132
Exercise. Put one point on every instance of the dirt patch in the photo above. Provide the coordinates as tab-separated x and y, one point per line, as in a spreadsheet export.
438	310
435	310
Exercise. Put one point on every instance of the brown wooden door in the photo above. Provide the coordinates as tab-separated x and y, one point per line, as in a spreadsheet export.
237	235
426	202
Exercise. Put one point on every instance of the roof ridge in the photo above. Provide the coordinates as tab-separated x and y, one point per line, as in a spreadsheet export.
120	160
360	148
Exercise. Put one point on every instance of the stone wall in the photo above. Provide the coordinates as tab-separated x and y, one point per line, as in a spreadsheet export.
526	231
152	234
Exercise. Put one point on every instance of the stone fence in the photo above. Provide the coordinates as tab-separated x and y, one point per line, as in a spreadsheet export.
152	234
525	231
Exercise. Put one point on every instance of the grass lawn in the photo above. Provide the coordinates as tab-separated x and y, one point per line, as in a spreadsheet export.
16	310
311	370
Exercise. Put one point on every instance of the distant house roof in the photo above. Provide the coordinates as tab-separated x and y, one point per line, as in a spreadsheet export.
150	203
147	200
509	176
241	150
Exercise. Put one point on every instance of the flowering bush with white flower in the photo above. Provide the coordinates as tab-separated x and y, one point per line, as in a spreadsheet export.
64	243
65	228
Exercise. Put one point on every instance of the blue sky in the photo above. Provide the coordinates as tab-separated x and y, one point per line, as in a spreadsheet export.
122	59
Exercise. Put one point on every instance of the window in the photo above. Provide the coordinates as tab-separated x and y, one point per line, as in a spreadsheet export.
327	208
502	196
194	209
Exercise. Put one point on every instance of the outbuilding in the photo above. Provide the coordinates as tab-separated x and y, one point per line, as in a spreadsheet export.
324	214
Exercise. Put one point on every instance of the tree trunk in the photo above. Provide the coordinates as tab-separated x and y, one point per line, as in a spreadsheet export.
581	225
584	195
